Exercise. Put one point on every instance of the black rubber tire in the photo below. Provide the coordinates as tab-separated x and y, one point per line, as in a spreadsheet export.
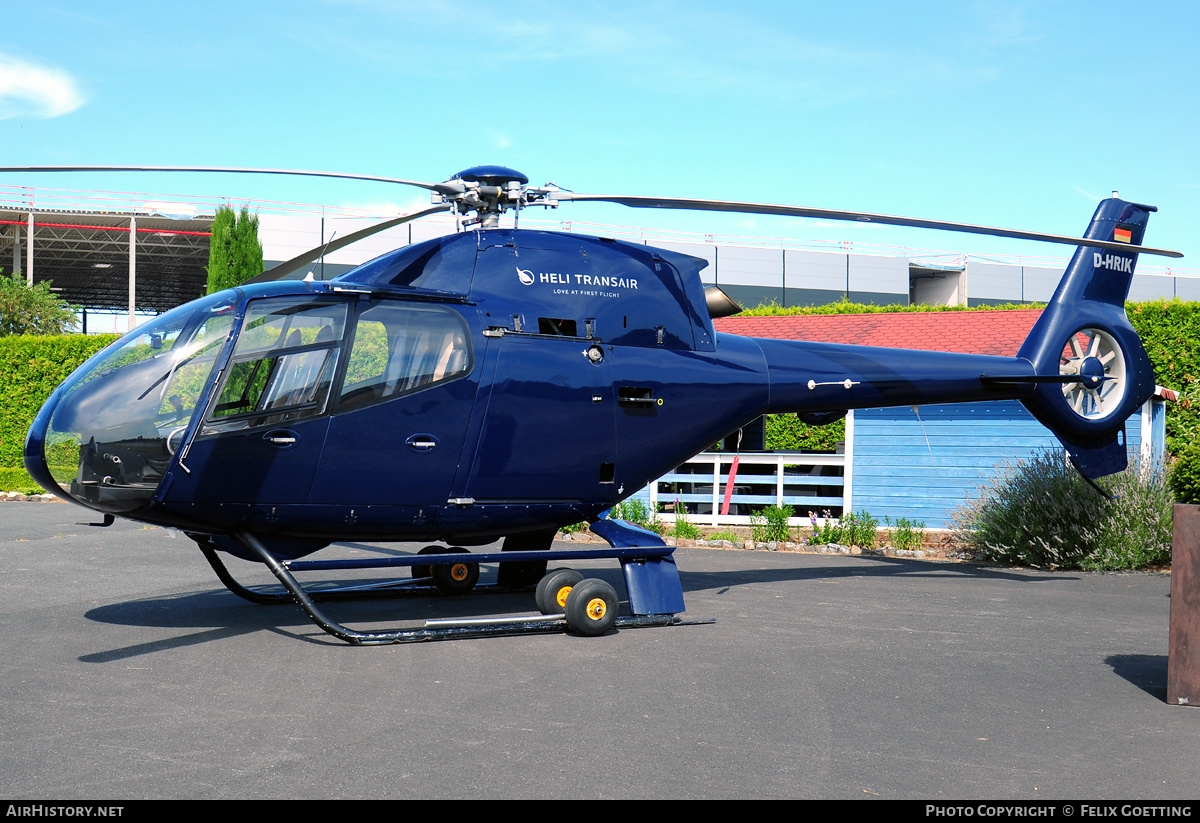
550	597
592	607
427	571
455	578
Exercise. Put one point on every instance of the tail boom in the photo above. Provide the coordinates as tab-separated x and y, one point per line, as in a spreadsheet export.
1081	372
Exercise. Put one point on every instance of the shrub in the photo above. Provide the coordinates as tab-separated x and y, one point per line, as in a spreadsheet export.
1040	512
851	530
905	534
861	529
771	525
18	480
829	532
1169	329
683	528
1137	528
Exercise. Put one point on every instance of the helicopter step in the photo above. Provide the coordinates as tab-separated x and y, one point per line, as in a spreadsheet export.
568	602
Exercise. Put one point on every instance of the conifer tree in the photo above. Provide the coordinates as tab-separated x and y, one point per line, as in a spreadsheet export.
235	253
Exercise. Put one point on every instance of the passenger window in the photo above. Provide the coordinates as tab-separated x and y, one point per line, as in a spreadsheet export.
400	348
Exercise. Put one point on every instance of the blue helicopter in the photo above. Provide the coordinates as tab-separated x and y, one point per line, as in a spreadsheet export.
497	384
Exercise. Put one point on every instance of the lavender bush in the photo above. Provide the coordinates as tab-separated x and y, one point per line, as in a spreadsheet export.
1039	512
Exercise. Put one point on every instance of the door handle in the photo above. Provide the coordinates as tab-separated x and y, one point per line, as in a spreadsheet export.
422	442
281	438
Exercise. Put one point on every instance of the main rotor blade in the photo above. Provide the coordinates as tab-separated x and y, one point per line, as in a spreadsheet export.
441	188
854	216
300	261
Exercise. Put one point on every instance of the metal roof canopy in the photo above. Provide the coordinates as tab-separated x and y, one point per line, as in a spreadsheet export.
87	256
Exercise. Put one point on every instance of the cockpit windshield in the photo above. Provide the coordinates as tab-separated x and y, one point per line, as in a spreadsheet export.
117	424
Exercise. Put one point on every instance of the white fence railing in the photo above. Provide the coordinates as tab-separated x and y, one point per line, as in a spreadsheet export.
806	482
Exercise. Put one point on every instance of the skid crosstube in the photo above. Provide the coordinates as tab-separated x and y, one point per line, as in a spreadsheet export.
652	580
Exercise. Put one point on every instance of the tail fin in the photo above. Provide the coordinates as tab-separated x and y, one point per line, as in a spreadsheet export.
1085	338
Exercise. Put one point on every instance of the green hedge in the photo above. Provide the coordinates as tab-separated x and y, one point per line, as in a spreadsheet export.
18	480
31	367
1185	474
1170	331
785	432
773	309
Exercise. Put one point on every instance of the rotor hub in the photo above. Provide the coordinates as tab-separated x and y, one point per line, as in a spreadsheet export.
1091	372
489	191
499	176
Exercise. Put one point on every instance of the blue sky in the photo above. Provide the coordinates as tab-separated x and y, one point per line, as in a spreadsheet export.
1015	114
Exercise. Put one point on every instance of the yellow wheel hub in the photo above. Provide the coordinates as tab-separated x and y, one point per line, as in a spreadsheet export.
459	572
561	597
596	608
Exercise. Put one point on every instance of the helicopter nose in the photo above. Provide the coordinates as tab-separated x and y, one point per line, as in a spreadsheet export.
109	430
35	450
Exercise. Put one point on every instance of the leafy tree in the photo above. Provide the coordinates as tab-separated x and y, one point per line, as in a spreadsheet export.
32	309
234	252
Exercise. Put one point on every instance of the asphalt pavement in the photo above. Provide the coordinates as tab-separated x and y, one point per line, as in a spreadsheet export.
130	672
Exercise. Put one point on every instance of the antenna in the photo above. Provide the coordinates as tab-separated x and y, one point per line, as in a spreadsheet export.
309	277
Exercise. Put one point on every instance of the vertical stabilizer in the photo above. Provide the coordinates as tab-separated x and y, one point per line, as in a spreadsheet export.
1084	338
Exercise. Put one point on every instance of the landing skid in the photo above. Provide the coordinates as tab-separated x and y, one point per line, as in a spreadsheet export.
655	594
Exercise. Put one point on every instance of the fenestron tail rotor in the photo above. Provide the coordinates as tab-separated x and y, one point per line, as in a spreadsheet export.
1095	359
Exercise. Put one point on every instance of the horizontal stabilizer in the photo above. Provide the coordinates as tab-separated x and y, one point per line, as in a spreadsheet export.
622	534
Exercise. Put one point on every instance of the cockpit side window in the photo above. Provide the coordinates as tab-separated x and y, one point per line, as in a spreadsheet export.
283	365
401	348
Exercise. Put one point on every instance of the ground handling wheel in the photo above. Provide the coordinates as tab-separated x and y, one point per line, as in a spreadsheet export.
455	578
552	590
592	607
427	571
